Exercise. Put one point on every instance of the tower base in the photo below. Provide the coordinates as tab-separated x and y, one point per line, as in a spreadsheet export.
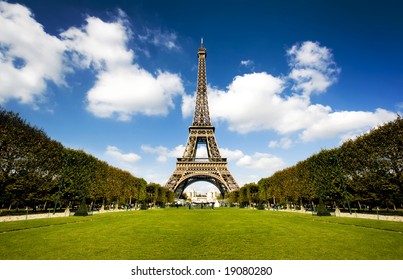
189	172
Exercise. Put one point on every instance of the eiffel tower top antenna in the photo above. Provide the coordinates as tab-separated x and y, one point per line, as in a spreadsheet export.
201	42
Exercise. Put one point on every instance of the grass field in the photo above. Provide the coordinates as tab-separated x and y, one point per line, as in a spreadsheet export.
223	233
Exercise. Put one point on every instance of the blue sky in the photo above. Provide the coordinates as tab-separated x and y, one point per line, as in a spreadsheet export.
286	78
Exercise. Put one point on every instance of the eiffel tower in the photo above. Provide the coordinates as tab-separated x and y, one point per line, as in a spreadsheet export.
212	169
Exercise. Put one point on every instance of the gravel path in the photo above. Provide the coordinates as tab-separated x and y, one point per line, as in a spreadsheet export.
67	213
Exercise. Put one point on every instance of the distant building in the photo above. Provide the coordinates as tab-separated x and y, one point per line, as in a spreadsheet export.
210	197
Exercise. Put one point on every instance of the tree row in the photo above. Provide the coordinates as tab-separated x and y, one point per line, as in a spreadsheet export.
38	172
364	172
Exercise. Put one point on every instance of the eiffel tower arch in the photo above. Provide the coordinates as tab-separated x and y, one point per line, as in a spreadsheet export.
189	168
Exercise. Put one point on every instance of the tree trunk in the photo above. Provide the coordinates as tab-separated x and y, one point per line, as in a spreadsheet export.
67	211
102	209
337	211
359	205
302	206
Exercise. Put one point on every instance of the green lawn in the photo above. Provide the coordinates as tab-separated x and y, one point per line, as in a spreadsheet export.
223	233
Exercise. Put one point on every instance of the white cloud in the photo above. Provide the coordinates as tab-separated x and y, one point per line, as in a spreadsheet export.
345	123
125	161
164	153
313	67
283	143
122	89
310	80
114	153
310	54
248	96
248	63
160	38
259	101
264	161
188	103
231	154
29	57
131	90
99	44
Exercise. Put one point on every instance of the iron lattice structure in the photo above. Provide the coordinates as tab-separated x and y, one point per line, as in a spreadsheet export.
189	168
